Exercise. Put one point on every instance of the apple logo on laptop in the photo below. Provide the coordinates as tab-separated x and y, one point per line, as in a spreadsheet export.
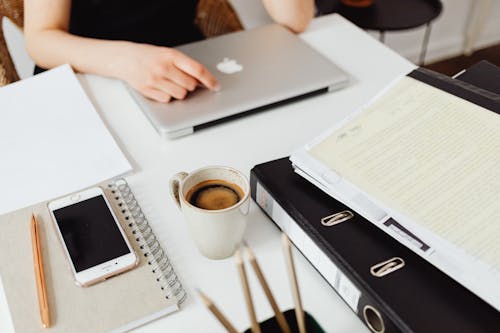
229	66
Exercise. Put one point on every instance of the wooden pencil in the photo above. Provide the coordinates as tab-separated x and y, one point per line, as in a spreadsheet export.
39	276
280	318
247	293
216	312
299	312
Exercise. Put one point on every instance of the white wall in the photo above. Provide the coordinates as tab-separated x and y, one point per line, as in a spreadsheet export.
446	40
447	36
448	32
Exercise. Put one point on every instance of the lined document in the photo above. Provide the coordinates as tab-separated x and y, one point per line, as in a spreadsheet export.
430	156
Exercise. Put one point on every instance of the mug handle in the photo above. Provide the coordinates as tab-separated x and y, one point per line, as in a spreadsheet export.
175	182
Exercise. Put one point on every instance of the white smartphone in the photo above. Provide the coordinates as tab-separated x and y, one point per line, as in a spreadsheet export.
92	238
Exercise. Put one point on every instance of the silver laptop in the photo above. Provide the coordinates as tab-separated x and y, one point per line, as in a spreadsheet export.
256	69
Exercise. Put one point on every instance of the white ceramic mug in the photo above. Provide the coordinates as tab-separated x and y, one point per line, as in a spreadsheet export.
217	233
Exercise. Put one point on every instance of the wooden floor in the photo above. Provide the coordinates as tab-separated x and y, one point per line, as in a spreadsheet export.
454	65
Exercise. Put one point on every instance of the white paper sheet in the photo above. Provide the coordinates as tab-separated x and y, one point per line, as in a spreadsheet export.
52	141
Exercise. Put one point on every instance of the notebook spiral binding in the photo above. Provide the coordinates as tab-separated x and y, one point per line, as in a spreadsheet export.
147	241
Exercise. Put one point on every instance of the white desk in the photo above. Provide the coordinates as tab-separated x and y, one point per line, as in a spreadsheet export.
242	144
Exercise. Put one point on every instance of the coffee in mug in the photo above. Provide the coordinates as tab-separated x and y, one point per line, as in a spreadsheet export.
214	202
214	194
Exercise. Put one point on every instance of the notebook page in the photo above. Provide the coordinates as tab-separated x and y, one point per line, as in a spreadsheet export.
52	141
430	156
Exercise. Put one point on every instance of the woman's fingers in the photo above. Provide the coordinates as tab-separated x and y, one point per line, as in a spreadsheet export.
156	95
170	88
181	79
196	70
163	74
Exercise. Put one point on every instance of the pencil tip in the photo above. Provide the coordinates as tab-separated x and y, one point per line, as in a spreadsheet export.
203	297
239	258
248	249
34	222
285	239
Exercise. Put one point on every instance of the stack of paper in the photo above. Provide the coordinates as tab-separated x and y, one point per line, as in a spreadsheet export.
430	160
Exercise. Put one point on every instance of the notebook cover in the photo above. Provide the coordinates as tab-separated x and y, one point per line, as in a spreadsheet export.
415	298
483	74
123	301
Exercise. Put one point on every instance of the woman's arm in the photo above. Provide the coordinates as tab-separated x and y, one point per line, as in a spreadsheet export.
293	14
157	72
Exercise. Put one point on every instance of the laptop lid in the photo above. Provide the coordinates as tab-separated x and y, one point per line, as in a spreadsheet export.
255	68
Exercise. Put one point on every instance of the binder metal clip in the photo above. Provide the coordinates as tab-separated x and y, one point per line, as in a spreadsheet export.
386	267
337	218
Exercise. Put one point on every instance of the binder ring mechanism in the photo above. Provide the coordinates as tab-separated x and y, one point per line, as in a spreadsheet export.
373	319
337	218
386	267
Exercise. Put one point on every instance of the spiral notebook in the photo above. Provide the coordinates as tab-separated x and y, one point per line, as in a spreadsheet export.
149	291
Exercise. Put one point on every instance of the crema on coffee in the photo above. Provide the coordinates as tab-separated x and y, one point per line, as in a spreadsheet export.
214	194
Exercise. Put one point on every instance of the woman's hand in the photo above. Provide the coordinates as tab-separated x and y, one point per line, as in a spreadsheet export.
161	73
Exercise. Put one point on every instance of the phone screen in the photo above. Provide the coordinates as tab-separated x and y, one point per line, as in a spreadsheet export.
90	233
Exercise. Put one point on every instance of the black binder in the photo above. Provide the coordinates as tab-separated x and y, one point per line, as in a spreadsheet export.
414	298
462	88
482	74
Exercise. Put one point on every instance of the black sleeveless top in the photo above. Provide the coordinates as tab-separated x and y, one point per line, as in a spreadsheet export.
158	22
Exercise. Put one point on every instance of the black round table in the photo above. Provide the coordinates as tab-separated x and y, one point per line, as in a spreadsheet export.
389	15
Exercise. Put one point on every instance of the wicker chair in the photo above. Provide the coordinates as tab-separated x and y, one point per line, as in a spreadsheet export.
214	17
13	9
